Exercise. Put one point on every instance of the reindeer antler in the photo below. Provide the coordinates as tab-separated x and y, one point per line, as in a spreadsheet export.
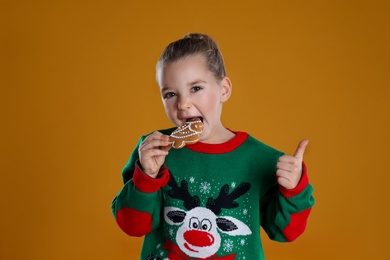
226	200
182	193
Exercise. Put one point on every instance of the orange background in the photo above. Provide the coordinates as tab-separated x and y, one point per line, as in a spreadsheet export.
78	89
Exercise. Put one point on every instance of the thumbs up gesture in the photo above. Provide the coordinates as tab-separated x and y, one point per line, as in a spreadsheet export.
289	168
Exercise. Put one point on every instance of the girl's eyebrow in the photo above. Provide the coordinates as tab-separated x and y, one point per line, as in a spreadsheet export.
196	82
164	89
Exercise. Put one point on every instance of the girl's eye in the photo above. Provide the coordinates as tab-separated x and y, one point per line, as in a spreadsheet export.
196	89
169	95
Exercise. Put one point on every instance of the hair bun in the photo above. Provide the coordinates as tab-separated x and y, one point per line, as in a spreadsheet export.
196	36
195	44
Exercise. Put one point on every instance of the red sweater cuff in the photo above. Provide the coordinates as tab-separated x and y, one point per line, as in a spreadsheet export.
145	183
288	193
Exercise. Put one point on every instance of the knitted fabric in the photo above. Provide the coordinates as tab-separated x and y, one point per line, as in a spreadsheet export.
209	201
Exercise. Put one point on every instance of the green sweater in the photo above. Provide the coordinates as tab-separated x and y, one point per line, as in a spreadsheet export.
209	200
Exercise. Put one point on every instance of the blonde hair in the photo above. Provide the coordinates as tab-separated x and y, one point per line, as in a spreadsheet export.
195	44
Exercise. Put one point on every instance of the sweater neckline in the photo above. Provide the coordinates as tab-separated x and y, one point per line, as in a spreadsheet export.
226	147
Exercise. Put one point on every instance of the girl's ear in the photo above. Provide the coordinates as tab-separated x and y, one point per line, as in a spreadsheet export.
226	87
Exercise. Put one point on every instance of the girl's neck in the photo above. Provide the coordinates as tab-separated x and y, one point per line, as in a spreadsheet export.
219	135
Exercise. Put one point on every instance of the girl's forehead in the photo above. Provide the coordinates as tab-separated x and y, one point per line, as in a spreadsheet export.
190	60
183	70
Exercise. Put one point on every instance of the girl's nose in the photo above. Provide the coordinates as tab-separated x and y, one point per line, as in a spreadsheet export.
183	103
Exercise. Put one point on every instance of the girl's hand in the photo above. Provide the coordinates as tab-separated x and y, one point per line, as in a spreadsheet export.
152	153
289	168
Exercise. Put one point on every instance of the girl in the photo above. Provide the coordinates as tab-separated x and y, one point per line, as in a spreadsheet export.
208	199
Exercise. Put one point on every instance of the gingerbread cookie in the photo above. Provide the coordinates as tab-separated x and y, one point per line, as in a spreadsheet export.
188	133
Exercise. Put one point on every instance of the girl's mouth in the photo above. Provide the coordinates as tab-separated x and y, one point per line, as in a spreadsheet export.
191	118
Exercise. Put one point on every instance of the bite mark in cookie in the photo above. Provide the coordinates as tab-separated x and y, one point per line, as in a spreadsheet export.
189	133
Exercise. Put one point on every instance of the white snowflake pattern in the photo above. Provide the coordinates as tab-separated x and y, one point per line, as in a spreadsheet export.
161	253
205	187
233	184
192	179
228	245
242	242
245	211
170	231
158	246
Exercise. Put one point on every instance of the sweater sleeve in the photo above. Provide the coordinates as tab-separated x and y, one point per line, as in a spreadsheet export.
137	207
285	212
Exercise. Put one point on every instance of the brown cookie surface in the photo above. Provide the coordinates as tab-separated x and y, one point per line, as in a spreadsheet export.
189	133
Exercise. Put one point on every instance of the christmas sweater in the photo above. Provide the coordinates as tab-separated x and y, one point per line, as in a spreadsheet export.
209	201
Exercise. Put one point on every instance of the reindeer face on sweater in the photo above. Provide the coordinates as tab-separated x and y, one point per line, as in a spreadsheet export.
199	229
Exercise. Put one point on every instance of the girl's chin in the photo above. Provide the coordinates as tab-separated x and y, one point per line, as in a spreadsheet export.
204	137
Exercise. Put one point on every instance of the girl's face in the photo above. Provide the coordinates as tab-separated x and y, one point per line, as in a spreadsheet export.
189	89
